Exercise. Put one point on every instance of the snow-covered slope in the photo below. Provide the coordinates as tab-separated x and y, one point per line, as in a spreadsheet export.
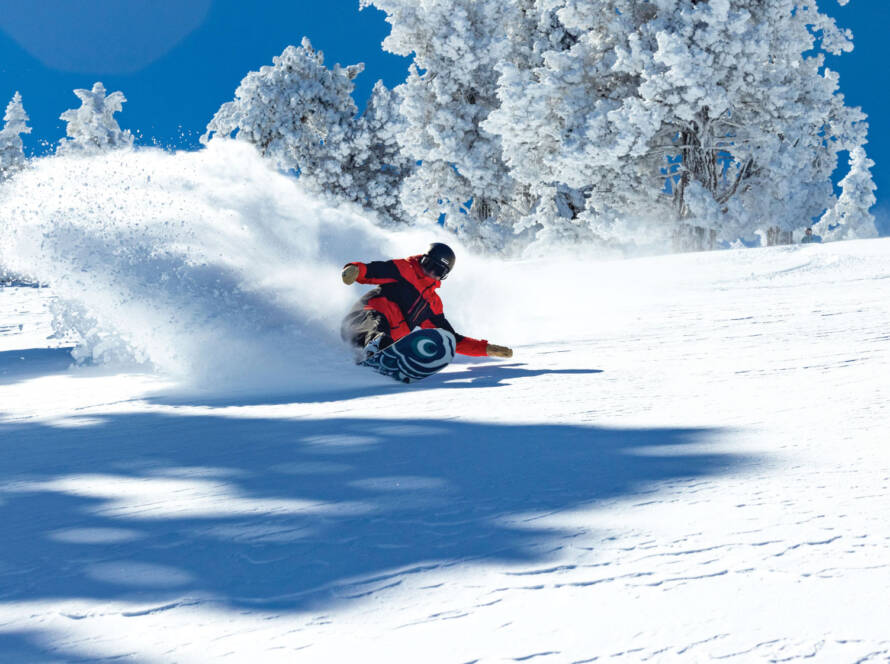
685	460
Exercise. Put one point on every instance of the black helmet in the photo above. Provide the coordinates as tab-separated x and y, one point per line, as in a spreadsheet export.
438	260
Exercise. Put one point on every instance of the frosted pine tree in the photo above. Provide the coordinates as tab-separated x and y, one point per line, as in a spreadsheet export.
297	112
301	115
375	159
12	155
719	113
92	128
851	218
449	93
570	120
756	118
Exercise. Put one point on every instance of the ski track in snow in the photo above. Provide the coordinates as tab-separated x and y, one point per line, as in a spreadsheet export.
709	483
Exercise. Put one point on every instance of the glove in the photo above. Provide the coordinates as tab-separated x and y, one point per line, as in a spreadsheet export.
493	350
349	274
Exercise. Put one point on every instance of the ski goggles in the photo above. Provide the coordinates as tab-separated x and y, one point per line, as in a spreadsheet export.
436	269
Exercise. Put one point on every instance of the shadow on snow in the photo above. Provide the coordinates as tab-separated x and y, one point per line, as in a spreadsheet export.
290	513
298	514
19	365
22	365
30	647
473	375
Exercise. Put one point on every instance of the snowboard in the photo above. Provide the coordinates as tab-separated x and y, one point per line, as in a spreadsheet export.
416	356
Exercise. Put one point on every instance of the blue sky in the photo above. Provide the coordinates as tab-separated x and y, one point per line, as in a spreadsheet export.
177	62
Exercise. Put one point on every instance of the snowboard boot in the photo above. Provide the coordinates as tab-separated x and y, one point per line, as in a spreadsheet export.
380	341
373	346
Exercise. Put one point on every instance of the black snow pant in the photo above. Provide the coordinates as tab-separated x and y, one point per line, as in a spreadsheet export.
361	326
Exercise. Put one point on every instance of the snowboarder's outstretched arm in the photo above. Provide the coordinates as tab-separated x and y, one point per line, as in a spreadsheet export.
375	272
468	345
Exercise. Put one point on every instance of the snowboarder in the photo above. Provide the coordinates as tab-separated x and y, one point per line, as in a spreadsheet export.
404	299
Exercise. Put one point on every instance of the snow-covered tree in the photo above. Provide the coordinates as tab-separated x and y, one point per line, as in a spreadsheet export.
450	91
760	130
92	128
565	119
297	112
375	160
717	111
851	217
12	155
301	115
605	118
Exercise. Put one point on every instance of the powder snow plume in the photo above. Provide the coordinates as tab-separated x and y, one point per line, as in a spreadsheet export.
208	266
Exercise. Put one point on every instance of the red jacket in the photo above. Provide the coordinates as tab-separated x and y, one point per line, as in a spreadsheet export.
407	297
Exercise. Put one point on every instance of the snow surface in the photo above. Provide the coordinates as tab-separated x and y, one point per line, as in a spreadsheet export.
686	460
